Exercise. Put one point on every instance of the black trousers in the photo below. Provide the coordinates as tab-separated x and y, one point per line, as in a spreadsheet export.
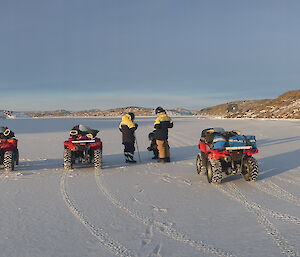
129	150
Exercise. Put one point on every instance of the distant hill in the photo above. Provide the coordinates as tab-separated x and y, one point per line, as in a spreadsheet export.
56	113
117	112
286	106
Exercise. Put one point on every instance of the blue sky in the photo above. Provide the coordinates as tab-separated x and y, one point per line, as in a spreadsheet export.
77	54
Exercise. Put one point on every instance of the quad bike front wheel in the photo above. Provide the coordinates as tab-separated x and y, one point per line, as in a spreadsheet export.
8	161
200	165
250	169
214	171
68	165
98	162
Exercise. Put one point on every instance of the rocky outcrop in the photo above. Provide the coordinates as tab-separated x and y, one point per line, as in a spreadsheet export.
286	106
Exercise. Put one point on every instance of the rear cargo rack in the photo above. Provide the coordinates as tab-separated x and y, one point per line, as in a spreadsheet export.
83	141
238	148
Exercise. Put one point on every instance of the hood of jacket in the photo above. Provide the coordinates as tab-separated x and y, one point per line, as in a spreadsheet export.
126	120
162	117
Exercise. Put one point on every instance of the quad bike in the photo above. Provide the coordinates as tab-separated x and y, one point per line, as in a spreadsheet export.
229	160
9	153
82	148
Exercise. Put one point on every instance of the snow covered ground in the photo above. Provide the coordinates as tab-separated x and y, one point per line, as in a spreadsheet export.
149	209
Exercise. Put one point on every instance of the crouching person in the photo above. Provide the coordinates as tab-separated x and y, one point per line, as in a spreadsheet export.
153	145
128	127
162	123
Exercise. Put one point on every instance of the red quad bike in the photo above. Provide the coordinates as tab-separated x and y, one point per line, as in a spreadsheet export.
235	156
83	148
9	153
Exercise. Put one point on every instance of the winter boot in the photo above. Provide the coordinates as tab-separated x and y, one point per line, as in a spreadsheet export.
161	160
130	161
129	157
155	153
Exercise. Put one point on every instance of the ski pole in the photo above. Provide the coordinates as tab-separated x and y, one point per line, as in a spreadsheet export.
137	148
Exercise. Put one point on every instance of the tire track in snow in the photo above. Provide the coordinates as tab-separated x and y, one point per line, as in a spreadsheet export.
277	215
293	177
274	190
233	192
7	175
176	180
160	227
274	214
4	175
103	238
294	182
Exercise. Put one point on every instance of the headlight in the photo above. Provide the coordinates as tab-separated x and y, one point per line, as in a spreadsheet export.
73	132
6	132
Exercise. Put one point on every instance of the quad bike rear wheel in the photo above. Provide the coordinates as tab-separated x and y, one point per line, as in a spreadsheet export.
68	165
214	171
200	164
250	169
98	159
8	161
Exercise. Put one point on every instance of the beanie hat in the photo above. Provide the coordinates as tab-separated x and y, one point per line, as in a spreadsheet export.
159	110
131	115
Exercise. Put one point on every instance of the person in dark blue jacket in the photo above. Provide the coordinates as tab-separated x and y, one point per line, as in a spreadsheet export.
162	123
128	128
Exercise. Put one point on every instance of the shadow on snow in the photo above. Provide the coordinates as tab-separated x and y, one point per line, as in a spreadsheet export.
269	142
109	161
269	166
278	164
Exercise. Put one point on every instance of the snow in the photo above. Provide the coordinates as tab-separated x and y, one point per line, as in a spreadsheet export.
149	209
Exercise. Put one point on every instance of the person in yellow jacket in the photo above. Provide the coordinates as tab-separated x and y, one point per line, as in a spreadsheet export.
128	128
162	123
